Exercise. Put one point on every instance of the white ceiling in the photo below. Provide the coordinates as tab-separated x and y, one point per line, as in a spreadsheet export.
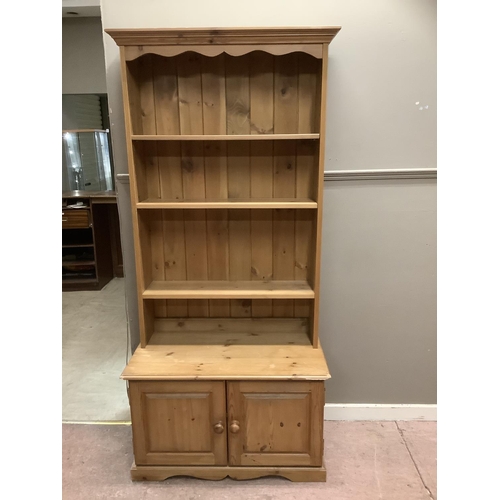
81	8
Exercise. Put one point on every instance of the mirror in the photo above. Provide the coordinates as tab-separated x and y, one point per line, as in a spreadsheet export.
87	163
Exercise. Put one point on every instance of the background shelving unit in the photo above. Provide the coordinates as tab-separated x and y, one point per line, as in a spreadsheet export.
225	138
91	251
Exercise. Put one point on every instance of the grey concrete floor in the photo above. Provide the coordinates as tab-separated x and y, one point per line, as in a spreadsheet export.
94	345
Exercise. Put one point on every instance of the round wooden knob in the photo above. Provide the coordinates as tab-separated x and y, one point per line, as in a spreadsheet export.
219	428
234	427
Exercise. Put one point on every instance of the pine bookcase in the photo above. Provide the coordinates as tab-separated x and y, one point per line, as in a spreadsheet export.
225	132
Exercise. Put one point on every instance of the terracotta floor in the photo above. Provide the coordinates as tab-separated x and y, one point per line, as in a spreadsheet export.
364	460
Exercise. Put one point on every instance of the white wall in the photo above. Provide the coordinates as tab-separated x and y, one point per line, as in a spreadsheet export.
378	311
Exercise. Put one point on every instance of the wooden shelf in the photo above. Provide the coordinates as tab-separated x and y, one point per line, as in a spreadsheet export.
228	290
76	245
221	137
258	203
78	263
225	349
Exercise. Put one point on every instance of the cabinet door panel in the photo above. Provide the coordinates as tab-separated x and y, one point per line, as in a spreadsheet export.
174	423
275	423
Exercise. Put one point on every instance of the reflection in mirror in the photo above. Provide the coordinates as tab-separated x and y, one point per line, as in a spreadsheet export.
87	160
86	147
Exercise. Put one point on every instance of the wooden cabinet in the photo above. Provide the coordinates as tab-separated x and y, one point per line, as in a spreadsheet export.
179	423
275	423
261	423
225	133
91	249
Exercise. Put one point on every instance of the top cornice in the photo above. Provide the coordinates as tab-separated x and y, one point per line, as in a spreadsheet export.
223	36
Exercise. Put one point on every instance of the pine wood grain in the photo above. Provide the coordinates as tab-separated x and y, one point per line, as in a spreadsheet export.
151	167
286	94
229	326
218	256
308	114
174	248
261	170
240	257
216	177
190	97
238	175
139	153
296	412
228	356
315	277
195	228
193	170
261	93
160	473
283	256
306	167
170	421
313	49
132	111
214	94
261	185
262	256
237	95
170	172
232	203
284	179
241	289
216	36
166	95
220	137
157	257
146	93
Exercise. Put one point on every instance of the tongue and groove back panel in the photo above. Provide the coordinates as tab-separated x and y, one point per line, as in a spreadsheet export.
256	93
226	170
207	192
234	245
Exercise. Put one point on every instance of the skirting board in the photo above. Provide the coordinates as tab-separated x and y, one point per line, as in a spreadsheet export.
335	411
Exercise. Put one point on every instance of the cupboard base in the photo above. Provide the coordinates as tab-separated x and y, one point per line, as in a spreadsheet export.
214	473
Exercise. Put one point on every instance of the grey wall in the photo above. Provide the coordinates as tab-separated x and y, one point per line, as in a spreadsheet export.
378	291
83	65
378	285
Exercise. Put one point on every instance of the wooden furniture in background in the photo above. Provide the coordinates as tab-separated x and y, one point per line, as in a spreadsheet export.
225	132
91	248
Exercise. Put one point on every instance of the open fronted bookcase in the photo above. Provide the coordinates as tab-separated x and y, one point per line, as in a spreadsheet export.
226	135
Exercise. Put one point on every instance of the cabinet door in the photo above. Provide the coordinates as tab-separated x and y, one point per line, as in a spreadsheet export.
275	423
179	423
